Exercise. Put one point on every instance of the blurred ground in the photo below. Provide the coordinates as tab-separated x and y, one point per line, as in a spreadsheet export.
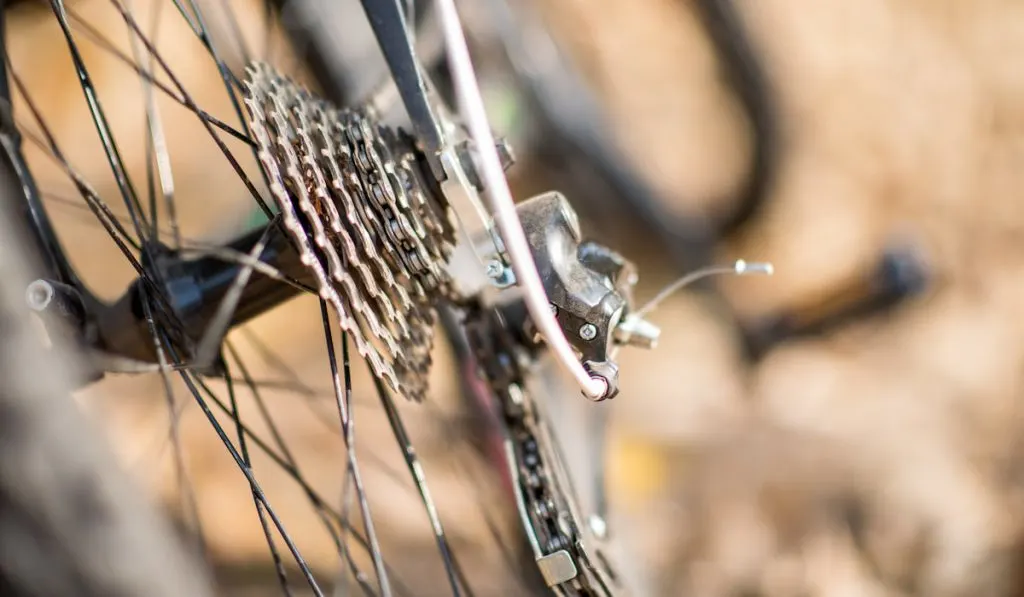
899	118
882	460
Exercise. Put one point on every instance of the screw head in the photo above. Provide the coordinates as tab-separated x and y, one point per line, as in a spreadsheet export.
494	269
588	331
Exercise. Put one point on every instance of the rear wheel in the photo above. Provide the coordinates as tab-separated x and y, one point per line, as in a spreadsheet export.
137	156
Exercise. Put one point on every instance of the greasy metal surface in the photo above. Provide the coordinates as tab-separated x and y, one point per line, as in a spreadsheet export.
579	283
569	554
351	199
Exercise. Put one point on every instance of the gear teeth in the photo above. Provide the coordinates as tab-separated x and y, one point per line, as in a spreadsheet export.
353	198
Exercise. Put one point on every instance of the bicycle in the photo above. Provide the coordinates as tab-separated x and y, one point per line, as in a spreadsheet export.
369	217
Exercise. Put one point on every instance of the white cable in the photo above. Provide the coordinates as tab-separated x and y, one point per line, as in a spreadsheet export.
471	107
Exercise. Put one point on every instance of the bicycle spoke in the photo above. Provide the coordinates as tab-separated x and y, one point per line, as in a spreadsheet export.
192	104
452	569
282	577
208	347
316	500
92	199
292	465
294	383
109	223
156	142
228	77
156	147
106	219
252	383
194	17
278	438
190	19
104	43
50	149
191	384
342	588
261	405
343	394
232	84
63	201
237	257
81	208
99	119
305	391
189	504
236	30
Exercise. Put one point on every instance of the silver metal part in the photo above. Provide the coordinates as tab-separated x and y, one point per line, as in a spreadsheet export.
491	173
634	330
557	568
352	198
565	529
39	294
575	510
501	274
586	281
588	331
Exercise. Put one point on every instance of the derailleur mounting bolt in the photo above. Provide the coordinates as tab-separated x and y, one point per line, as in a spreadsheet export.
588	331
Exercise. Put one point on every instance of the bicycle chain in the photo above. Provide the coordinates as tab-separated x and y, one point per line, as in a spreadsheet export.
549	506
355	203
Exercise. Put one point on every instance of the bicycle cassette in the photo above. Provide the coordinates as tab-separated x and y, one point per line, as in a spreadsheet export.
354	198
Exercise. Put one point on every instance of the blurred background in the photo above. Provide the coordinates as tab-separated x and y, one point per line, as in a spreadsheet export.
848	426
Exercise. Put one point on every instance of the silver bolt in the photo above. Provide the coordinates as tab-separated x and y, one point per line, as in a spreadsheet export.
494	269
588	331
